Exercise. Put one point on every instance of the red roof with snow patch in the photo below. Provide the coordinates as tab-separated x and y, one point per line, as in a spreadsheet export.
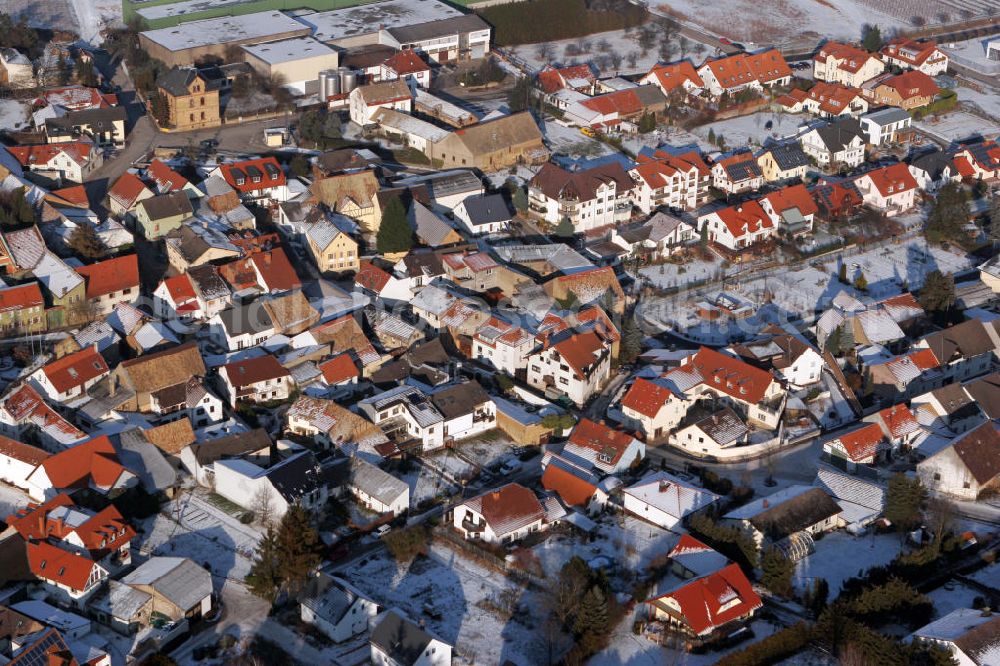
22	296
59	566
863	443
338	369
252	175
745	218
406	62
75	369
11	448
794	196
78	151
892	179
166	178
731	375
371	277
711	601
600	438
673	76
127	189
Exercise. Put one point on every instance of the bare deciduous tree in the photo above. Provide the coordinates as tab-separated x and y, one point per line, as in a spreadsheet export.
262	506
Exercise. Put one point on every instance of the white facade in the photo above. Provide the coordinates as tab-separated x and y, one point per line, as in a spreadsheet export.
891	203
850	155
881	132
266	390
355	620
218	334
841	70
362	112
547	364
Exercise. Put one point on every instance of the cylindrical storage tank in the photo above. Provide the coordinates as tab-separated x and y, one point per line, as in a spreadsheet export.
333	83
348	81
323	94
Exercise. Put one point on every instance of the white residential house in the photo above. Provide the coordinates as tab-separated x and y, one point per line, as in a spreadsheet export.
336	608
241	326
467	410
659	237
257	379
712	434
377	490
650	406
295	479
737	173
484	214
71	162
846	64
924	56
576	365
891	189
406	410
396	641
365	100
968	467
502	345
70	376
665	500
590	198
739	226
841	142
883	126
968	634
18	461
934	170
500	516
676	181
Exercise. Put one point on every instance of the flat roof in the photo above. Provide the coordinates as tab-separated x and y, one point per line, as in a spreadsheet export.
367	19
288	50
225	29
184	7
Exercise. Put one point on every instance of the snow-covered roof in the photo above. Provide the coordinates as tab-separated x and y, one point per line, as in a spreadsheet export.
670	495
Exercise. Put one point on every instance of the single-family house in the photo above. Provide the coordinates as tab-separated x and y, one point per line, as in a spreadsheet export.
504	515
665	500
968	467
257	379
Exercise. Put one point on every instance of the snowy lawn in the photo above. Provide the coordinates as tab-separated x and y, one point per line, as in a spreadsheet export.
570	141
627	648
590	50
192	527
453	588
626	541
487	450
840	556
13	113
425	483
989	575
961	125
751	129
958	596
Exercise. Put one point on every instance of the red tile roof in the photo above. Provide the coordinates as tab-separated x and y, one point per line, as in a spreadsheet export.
655	169
104	532
508	508
100	534
75	369
833	98
623	102
22	296
673	76
899	420
909	50
731	375
371	277
127	189
572	489
166	178
853	57
111	275
794	196
253	370
600	438
338	369
646	397
552	80
91	462
181	291
78	151
407	62
236	172
11	448
580	351
702	600
892	179
913	83
558	183
275	270
59	566
742	68
27	520
688	544
745	218
863	443
76	195
924	359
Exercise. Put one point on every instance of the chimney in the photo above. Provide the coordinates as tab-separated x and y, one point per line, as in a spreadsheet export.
41	522
664	486
766	504
496	495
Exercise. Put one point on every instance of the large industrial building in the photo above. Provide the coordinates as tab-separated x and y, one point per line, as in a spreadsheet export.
167	13
190	42
298	61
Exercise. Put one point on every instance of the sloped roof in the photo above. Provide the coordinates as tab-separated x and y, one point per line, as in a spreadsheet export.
979	451
574	486
111	275
674	75
127	189
862	443
508	508
93	462
75	369
253	370
730	375
178	579
670	495
702	600
25	453
646	397
511	131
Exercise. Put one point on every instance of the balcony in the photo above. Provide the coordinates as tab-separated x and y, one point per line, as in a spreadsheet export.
473	527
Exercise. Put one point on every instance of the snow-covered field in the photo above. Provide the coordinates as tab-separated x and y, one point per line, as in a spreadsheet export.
13	113
752	129
192	527
632	543
795	20
455	587
959	595
425	483
84	17
569	140
666	276
840	556
972	53
961	125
